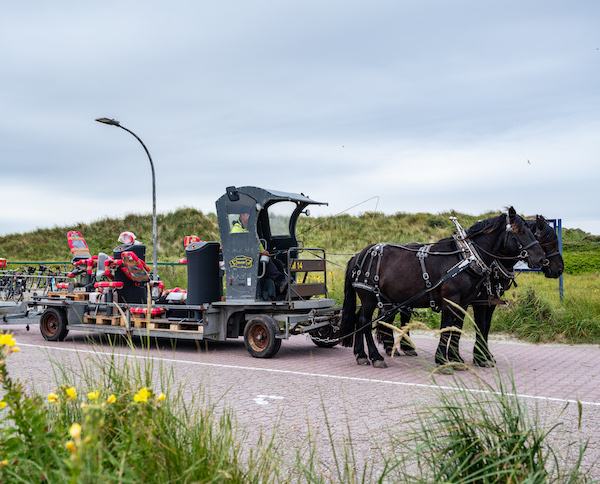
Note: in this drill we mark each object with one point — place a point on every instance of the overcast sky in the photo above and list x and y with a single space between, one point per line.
429 105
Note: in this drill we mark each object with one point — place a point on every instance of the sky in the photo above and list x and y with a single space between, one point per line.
386 105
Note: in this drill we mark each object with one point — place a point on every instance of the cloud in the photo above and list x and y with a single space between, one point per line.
430 106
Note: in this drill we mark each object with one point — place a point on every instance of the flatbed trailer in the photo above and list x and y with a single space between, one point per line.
231 300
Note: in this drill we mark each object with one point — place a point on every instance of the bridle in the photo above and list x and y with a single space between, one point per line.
503 241
538 235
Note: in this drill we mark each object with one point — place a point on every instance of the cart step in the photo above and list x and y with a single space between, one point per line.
103 320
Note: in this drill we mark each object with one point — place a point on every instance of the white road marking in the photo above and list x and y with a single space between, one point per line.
317 375
263 399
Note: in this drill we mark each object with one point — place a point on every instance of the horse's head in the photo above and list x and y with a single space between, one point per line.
520 241
508 239
548 240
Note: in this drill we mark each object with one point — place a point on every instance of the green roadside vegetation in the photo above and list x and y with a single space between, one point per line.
134 420
534 310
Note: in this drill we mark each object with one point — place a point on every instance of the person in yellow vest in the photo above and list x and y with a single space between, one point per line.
274 272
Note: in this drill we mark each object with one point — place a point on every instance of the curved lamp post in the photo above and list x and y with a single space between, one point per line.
154 236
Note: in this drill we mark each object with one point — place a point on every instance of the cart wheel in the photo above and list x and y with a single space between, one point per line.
53 324
260 336
324 337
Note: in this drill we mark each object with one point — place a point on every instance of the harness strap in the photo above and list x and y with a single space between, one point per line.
398 307
370 282
422 255
469 252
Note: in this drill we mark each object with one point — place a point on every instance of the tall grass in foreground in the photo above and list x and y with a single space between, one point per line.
115 427
489 436
127 420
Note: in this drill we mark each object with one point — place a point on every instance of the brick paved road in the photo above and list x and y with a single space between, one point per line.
303 384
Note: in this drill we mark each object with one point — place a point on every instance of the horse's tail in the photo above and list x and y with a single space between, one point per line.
348 324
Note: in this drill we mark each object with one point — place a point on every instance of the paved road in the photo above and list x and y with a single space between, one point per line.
322 391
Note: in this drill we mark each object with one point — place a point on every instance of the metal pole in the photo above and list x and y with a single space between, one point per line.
560 248
154 230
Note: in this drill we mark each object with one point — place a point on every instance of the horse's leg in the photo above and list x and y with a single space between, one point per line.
441 354
481 352
375 357
453 345
385 335
447 350
363 327
405 346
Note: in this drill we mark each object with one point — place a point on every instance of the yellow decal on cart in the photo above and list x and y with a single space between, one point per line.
241 262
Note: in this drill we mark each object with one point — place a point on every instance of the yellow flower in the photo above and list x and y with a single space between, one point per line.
93 395
161 397
142 395
4 463
2 404
111 399
71 446
71 393
52 398
15 350
84 405
75 431
7 340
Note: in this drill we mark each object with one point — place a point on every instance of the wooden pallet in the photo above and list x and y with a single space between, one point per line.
166 325
75 296
138 323
188 328
103 320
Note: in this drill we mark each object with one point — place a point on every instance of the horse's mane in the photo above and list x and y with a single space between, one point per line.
488 225
547 234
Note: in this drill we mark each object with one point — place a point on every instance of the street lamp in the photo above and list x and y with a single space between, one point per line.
154 236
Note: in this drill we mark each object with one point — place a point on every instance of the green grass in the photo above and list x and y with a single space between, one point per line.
131 420
127 422
339 234
489 436
535 312
539 316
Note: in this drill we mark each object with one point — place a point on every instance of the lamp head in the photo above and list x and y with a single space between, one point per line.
113 122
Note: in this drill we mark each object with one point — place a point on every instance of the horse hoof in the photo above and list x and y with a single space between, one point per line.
456 358
363 361
389 352
485 363
410 352
379 364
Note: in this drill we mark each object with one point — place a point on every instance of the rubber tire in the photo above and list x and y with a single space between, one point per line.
53 324
324 332
260 336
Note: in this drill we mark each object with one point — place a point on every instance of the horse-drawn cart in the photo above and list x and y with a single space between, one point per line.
230 290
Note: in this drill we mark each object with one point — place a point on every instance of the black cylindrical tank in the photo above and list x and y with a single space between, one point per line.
204 278
130 293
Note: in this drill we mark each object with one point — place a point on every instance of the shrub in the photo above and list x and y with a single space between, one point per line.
132 435
487 436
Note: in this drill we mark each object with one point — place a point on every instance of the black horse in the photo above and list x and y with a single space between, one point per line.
483 306
396 278
483 311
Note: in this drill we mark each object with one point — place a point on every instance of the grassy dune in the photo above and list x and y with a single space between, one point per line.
535 311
